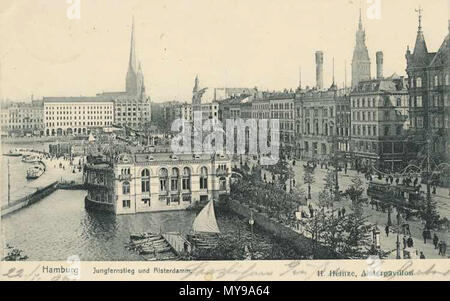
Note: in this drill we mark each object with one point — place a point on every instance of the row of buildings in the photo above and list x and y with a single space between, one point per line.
60 116
381 120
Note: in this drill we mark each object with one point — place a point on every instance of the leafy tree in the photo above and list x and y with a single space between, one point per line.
308 178
357 240
14 254
354 191
430 214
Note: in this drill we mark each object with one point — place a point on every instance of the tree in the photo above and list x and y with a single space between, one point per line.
357 240
14 254
430 214
354 191
308 178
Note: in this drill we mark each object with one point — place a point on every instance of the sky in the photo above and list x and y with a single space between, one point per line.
228 43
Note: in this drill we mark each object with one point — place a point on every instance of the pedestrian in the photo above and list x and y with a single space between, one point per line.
339 213
408 232
343 212
422 256
405 242
444 248
435 241
424 235
391 180
410 242
434 189
386 229
397 181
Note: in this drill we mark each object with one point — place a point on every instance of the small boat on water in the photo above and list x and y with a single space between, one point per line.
30 158
205 231
35 172
153 246
13 153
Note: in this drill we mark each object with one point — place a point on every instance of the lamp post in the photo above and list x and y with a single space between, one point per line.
398 237
251 222
376 238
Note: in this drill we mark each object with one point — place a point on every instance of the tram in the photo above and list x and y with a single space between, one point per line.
408 197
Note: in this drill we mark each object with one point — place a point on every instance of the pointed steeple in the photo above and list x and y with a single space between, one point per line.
196 84
132 62
361 59
132 76
420 55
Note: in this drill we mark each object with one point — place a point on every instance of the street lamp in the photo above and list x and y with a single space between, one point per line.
251 222
376 237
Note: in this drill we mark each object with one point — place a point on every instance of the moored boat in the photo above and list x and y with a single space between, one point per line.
30 159
205 231
13 153
35 172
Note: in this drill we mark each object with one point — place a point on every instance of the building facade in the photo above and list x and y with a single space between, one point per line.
429 90
76 115
22 118
156 182
380 121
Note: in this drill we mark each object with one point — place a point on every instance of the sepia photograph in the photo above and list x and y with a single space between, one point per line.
239 131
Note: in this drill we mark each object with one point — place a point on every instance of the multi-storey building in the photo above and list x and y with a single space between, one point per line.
380 122
261 108
429 91
76 115
282 108
155 182
22 118
343 122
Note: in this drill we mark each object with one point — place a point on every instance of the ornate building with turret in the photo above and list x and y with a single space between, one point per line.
361 60
429 92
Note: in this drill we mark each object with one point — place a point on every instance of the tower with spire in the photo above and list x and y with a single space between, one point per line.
361 60
135 78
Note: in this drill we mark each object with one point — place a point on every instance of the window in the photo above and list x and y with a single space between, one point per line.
203 178
436 81
398 130
126 188
145 180
419 101
419 82
387 130
419 122
447 80
126 203
223 183
174 179
399 102
163 175
186 183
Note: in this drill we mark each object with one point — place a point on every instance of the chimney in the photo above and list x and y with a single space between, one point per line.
319 70
379 64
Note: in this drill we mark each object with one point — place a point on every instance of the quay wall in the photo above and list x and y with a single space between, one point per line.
29 199
300 242
13 140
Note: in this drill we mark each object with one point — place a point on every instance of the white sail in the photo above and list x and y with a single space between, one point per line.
206 220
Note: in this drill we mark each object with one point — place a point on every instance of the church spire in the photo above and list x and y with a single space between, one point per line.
132 80
360 25
196 84
132 62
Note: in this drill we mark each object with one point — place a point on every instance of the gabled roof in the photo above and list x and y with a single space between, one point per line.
442 55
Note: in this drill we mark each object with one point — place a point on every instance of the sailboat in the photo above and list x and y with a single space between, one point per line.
206 232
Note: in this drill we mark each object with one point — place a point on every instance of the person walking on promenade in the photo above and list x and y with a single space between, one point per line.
424 235
422 256
435 241
444 248
343 212
405 242
386 229
410 242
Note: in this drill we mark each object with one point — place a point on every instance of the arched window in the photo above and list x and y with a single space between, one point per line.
163 175
126 188
174 179
203 178
145 180
186 179
419 82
